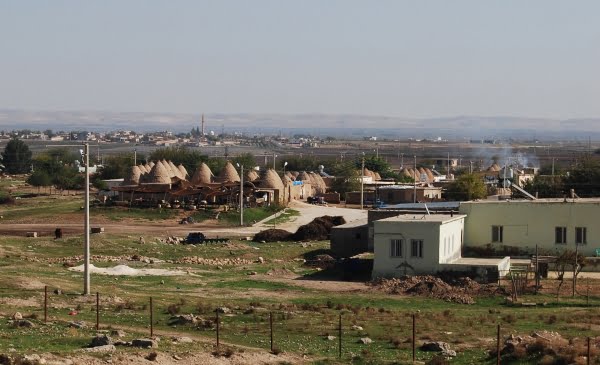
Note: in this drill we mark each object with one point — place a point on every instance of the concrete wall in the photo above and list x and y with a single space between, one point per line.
347 241
527 223
432 233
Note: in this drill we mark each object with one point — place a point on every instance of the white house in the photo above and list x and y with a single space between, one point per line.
427 244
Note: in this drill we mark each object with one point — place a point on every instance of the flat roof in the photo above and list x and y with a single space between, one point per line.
475 261
430 205
440 218
353 224
537 201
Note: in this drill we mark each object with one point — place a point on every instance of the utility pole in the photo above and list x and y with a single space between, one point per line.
86 225
362 181
135 156
552 166
242 195
415 182
402 160
274 157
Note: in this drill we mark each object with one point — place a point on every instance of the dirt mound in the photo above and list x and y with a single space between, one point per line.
318 229
459 290
272 235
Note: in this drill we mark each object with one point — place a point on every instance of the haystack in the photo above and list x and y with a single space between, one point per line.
133 176
229 174
159 175
183 172
202 175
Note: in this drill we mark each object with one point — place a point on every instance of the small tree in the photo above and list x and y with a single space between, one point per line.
466 187
16 157
39 178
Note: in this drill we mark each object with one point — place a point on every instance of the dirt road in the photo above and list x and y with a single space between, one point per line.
167 228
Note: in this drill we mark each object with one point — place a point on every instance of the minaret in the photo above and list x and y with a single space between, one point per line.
202 135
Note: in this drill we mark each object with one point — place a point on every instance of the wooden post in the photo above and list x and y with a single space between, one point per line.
271 325
575 270
414 345
537 269
217 311
45 303
340 337
97 311
151 319
498 346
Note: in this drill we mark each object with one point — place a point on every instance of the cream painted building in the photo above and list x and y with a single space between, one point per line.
553 224
427 244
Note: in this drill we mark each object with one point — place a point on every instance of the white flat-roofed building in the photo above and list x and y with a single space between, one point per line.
421 244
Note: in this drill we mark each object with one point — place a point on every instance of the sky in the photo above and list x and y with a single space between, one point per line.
413 59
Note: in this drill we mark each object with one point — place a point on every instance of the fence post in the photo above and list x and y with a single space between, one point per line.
498 346
218 324
45 303
340 336
414 342
151 319
97 311
271 325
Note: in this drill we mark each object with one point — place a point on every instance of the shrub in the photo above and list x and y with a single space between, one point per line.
174 309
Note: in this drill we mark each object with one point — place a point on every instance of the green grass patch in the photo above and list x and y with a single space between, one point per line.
119 213
285 216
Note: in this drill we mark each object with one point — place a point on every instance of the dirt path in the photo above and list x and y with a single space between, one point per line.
308 212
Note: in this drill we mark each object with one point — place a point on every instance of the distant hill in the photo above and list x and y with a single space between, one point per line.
338 125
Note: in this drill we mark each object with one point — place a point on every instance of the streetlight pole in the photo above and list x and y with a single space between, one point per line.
242 195
415 182
362 182
86 225
135 156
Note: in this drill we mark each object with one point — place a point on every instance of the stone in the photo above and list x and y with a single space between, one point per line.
175 357
252 273
183 320
77 324
57 291
117 333
357 328
261 260
223 310
144 343
103 348
182 340
436 346
24 323
34 359
365 341
17 316
330 338
101 340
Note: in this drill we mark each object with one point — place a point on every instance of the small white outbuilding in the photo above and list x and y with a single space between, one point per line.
420 244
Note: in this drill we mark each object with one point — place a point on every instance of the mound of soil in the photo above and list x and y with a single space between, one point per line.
272 235
319 229
459 290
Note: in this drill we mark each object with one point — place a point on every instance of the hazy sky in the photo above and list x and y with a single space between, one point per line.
399 58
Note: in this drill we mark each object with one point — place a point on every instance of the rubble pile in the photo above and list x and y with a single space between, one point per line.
460 290
95 258
197 260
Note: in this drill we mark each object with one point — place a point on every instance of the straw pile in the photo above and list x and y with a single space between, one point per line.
229 174
202 174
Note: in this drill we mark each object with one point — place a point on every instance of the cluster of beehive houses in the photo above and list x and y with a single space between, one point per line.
162 181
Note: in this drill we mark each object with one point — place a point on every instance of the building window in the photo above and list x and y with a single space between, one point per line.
580 235
560 235
396 248
497 234
416 249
